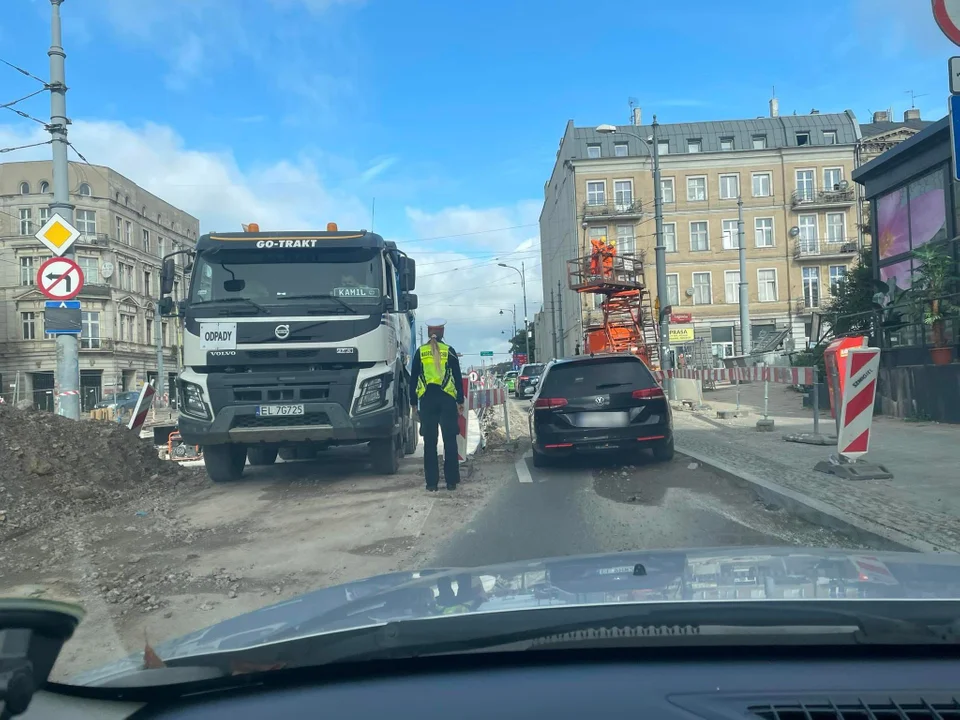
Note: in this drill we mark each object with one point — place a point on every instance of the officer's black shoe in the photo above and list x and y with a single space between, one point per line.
432 489
452 487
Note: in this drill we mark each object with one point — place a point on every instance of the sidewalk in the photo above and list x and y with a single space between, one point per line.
919 509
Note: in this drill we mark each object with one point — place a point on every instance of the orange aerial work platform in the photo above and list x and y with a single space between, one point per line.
629 323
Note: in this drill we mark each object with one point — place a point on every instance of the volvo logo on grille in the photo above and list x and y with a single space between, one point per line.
282 332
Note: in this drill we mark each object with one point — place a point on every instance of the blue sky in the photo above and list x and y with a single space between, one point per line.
296 112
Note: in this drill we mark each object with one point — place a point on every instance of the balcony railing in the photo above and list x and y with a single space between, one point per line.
822 198
833 247
633 208
94 239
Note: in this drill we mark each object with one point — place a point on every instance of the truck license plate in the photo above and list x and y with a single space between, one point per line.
279 410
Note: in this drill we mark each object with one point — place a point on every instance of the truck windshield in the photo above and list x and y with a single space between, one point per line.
349 277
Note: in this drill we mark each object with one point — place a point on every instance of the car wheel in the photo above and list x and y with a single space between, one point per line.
386 455
224 463
262 455
539 459
663 451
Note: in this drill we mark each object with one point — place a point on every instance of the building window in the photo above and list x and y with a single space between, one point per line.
694 145
28 322
159 246
667 191
599 234
663 147
44 213
763 232
731 286
702 289
623 194
836 227
596 192
146 240
147 283
84 190
28 274
726 143
44 187
670 237
808 238
699 239
729 187
148 325
620 150
593 151
91 269
24 188
803 138
696 189
767 284
128 236
119 229
90 330
832 177
673 289
163 332
731 235
829 137
806 184
626 242
811 287
87 222
838 274
762 185
126 277
759 142
128 324
26 221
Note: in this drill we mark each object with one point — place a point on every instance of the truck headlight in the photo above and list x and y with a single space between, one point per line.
191 400
373 394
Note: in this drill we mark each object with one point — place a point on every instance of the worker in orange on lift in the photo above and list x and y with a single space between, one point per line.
609 251
596 254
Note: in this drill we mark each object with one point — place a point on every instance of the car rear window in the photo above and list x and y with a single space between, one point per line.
597 377
533 370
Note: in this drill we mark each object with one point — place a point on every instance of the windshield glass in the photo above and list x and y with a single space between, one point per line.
594 337
277 276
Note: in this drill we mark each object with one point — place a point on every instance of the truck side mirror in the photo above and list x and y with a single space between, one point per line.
408 274
408 302
167 276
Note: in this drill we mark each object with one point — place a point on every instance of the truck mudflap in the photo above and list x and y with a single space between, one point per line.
321 423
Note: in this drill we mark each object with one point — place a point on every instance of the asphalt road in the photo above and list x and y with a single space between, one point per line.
592 506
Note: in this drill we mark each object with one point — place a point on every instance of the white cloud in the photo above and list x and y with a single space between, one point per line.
457 249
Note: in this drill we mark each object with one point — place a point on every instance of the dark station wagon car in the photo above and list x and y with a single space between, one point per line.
599 404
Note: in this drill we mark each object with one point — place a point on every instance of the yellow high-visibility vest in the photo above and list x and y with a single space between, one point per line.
429 374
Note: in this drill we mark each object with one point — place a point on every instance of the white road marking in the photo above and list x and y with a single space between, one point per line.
411 525
523 472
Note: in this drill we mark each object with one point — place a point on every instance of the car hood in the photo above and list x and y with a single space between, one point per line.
656 576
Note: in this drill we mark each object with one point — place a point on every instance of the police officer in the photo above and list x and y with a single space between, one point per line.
439 392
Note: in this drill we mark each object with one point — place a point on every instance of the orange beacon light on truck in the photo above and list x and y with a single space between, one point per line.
331 227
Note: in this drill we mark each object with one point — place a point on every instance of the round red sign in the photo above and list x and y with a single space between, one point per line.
947 15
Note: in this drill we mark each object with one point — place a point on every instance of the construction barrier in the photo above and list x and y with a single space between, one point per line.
782 375
463 422
859 395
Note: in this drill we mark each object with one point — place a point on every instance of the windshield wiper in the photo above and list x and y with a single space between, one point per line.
248 301
322 296
611 385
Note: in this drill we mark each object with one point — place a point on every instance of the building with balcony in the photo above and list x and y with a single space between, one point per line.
800 213
125 233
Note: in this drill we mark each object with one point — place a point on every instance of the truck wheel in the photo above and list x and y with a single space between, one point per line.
224 463
386 455
264 455
413 435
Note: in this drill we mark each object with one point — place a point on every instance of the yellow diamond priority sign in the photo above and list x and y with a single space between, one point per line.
57 234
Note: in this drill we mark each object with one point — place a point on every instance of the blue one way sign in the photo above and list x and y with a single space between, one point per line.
955 132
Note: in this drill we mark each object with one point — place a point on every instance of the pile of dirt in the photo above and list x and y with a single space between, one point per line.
52 468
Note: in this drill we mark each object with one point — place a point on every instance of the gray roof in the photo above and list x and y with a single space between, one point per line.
781 132
869 130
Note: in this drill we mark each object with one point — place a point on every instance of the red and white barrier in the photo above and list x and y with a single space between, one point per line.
139 415
463 422
782 375
859 396
486 397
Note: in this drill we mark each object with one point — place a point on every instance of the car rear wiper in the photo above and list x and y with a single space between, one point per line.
321 296
604 386
880 622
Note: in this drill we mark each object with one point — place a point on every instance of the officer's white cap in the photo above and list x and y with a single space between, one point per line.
436 322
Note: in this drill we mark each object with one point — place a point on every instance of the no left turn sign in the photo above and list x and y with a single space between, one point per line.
60 279
947 15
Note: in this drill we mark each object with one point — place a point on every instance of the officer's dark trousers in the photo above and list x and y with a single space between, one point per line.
438 416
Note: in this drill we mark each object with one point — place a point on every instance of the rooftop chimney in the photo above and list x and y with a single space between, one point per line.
636 116
774 107
911 114
881 116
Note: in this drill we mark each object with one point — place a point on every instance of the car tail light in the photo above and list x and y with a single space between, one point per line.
648 393
524 377
549 403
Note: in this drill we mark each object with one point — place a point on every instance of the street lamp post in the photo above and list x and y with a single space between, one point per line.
514 311
660 249
523 285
